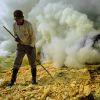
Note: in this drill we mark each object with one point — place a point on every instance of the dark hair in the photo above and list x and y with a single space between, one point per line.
18 14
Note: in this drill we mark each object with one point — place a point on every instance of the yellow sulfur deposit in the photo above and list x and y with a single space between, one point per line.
67 84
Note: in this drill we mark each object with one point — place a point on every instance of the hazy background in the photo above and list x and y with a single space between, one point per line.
64 29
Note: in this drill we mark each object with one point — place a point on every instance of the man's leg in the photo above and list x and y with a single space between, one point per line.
32 61
17 64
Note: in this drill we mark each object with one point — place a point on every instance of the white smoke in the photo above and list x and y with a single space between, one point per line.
7 47
64 33
55 50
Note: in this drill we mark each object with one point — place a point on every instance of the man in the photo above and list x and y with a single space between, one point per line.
24 37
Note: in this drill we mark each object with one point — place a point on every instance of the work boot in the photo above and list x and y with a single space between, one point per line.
33 71
13 78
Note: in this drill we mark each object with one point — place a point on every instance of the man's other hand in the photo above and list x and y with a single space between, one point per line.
17 39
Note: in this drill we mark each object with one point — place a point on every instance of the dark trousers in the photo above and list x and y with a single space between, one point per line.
31 54
21 51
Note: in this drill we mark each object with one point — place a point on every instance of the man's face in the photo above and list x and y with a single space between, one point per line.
19 21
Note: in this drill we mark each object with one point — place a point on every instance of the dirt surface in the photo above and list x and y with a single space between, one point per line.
66 84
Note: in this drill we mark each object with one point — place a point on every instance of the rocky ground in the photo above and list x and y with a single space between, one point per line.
66 84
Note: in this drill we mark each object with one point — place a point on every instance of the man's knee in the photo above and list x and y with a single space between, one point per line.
16 67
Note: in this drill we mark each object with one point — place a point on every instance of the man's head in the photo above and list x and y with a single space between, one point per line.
18 16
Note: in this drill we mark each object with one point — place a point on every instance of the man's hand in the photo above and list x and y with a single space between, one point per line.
17 39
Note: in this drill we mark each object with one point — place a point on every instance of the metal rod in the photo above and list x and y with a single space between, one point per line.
9 31
44 68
